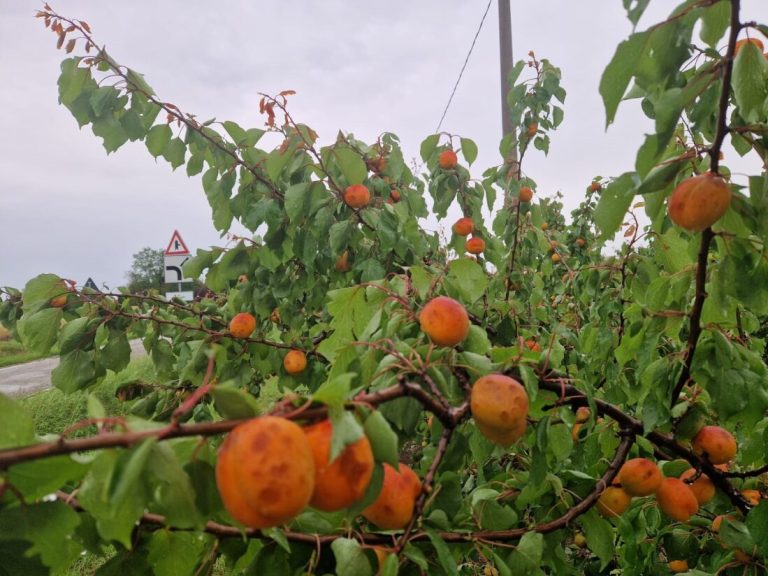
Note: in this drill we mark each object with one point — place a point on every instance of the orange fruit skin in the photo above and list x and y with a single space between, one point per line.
595 186
556 258
698 202
702 487
295 361
613 501
533 346
545 226
463 226
445 321
714 443
357 196
526 194
265 472
499 405
582 414
393 508
752 496
640 477
676 499
580 242
342 262
718 520
475 245
242 325
394 195
677 566
744 41
58 301
448 159
340 483
533 127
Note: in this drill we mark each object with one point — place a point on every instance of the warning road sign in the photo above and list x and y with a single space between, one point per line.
176 246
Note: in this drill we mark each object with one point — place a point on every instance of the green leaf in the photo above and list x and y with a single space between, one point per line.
346 430
76 370
71 80
714 22
111 131
173 494
382 438
466 279
39 291
335 390
277 160
600 536
757 522
620 70
18 429
351 165
40 331
238 135
614 202
75 334
527 557
158 138
350 558
444 556
176 553
138 81
469 150
38 478
174 152
297 200
233 402
103 98
428 147
750 89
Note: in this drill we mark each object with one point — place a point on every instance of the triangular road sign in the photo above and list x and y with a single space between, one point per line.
91 284
176 246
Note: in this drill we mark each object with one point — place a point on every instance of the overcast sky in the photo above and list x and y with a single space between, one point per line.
364 67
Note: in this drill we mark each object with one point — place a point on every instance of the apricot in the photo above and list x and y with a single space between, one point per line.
718 520
445 321
702 487
677 566
595 186
394 195
475 245
448 159
613 501
265 472
58 301
575 431
582 414
499 405
714 443
676 499
698 202
242 325
580 540
555 257
342 262
531 130
526 194
393 508
545 226
744 41
295 361
752 496
580 242
357 196
640 477
340 483
532 345
463 226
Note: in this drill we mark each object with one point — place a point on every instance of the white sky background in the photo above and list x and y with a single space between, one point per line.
364 67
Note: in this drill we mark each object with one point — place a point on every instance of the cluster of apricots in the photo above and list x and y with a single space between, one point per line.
464 227
269 469
678 498
242 326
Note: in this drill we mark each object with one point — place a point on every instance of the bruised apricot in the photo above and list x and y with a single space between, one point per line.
463 226
295 362
445 321
448 159
357 196
678 566
676 499
475 245
526 194
242 325
640 477
532 128
499 405
698 202
342 482
265 472
394 506
702 487
613 501
714 443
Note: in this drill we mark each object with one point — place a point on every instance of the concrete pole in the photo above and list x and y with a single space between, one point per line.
506 64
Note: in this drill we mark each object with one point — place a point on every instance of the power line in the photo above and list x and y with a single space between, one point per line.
439 124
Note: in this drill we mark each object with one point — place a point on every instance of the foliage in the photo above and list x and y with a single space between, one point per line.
657 339
147 270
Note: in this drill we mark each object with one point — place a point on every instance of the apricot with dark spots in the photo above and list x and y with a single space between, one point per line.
640 477
499 406
394 506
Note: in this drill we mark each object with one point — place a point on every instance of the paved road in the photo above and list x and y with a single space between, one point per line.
25 379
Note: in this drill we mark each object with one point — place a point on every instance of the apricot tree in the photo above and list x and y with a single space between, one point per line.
473 414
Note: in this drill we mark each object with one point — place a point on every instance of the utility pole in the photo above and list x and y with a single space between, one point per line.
505 59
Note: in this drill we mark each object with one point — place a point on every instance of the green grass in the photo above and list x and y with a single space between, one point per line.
12 352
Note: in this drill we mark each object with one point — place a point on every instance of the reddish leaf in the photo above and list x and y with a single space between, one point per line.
85 26
70 28
60 42
287 92
261 105
71 45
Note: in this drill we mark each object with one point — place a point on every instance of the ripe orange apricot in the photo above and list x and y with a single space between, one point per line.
580 242
58 301
242 325
445 321
394 195
556 257
393 508
640 477
340 483
265 472
575 431
752 496
545 226
582 414
295 361
357 196
342 262
678 566
499 405
698 202
702 487
533 127
595 186
463 226
613 501
448 159
526 194
714 443
475 245
755 41
676 499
